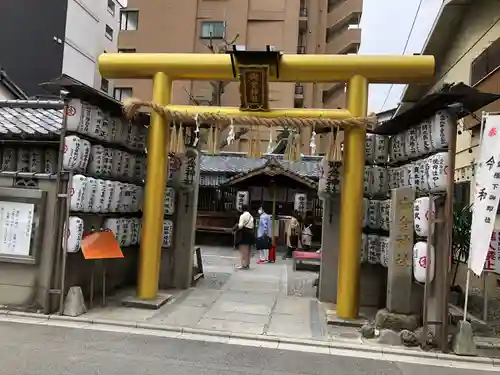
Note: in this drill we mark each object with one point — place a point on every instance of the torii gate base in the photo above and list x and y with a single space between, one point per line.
357 70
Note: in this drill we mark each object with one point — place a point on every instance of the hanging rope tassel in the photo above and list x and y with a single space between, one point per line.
180 140
297 147
173 139
210 140
270 147
255 145
289 147
331 145
260 145
215 144
250 143
337 148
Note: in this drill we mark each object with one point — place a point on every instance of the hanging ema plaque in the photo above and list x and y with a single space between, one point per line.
254 89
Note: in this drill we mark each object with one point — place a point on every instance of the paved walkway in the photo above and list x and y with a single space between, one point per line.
268 299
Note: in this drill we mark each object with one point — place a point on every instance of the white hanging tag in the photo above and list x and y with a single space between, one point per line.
312 143
230 136
197 130
270 144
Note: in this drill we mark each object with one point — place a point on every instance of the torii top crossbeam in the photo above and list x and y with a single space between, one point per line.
293 68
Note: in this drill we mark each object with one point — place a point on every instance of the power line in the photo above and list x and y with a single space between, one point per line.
404 49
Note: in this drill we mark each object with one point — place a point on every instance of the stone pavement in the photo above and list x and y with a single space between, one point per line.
268 299
268 305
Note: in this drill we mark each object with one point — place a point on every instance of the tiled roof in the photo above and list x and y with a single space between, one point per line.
272 167
30 118
239 162
36 118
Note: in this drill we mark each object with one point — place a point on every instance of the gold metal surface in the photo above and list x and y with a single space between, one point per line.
351 206
293 68
302 113
152 221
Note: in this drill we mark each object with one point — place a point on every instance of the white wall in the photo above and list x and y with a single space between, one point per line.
104 44
480 28
86 38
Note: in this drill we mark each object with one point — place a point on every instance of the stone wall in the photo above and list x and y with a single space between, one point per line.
28 284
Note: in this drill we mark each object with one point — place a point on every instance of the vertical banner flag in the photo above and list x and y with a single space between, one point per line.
487 194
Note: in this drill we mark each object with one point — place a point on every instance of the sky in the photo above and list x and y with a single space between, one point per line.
385 28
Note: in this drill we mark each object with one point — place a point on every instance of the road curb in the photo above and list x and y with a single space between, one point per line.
340 345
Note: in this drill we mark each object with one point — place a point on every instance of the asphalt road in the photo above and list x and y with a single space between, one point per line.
48 350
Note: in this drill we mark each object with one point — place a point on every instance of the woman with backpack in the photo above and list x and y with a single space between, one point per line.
244 237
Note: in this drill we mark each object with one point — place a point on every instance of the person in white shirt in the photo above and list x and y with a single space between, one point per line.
244 237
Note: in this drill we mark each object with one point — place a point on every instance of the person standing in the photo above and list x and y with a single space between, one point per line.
264 242
306 235
244 237
292 235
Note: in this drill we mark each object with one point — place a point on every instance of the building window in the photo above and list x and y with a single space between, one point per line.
109 32
213 30
487 62
104 85
111 7
126 50
129 19
122 93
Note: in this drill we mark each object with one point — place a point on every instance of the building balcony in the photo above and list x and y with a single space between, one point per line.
303 19
490 83
346 12
301 50
344 41
334 97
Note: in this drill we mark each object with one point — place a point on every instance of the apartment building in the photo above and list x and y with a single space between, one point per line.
43 39
192 26
465 41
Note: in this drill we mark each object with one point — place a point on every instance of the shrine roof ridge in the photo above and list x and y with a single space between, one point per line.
235 163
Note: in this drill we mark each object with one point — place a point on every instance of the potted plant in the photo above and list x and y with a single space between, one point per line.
462 222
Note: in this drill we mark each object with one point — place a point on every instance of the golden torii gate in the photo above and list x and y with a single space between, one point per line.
357 70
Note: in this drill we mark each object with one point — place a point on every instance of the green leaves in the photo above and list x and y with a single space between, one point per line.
462 222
